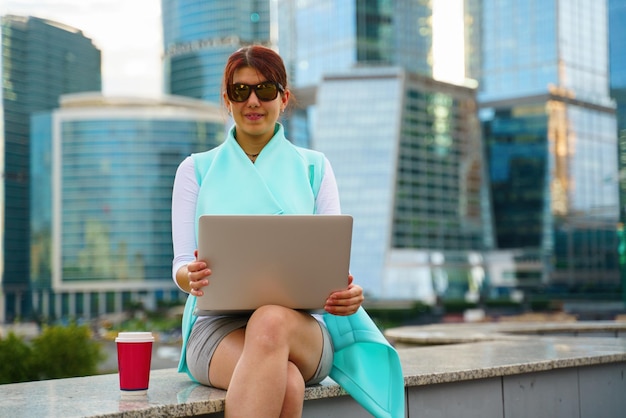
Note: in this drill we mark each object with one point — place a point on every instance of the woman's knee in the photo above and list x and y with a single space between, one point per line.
270 325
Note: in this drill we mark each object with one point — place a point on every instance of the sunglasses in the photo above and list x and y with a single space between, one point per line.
265 91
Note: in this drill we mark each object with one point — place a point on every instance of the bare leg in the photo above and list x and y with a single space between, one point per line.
259 367
294 394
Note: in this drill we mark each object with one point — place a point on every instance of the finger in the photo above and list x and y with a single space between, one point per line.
354 300
197 271
341 310
347 303
196 288
352 292
191 281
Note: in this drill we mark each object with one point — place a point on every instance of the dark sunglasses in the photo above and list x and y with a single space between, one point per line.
265 91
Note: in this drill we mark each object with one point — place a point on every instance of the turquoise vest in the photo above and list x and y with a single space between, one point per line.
285 179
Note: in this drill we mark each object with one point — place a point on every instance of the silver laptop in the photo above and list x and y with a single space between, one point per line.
295 261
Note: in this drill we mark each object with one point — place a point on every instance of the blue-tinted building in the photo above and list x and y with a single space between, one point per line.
406 149
550 136
40 60
617 73
410 169
321 37
316 38
198 37
102 172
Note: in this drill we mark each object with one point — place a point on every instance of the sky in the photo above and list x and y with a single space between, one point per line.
127 32
448 41
129 35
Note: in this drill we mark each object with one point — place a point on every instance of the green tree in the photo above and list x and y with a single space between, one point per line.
66 352
16 360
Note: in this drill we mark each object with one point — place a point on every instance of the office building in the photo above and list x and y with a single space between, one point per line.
550 135
409 167
324 37
617 74
405 149
321 37
198 37
40 60
102 174
316 38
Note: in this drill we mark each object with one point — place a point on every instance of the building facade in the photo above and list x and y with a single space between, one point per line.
550 132
102 176
549 213
410 169
40 60
617 72
316 38
617 66
406 150
322 37
198 37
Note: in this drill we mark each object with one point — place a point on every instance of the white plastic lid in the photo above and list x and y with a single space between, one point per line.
134 337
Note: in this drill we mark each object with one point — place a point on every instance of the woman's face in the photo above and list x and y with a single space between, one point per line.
255 119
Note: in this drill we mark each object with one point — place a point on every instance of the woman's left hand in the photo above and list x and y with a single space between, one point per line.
345 302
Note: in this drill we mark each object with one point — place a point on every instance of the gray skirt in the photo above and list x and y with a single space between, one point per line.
208 332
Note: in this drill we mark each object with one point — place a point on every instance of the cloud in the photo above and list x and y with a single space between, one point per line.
128 32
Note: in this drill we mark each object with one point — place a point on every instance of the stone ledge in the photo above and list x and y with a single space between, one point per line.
457 333
428 365
170 394
173 394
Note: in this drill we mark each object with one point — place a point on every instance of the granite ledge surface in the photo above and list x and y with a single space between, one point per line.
427 365
456 333
173 394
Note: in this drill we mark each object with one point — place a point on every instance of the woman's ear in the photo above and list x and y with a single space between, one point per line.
285 99
227 103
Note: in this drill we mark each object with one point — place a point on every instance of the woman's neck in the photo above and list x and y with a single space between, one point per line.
252 145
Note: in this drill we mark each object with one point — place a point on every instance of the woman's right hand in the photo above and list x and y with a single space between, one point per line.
198 272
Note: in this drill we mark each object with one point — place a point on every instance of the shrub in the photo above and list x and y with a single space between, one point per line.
66 352
58 352
16 360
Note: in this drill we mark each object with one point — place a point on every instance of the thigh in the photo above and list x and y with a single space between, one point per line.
326 358
205 337
225 358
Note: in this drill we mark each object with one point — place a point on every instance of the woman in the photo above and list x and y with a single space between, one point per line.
264 360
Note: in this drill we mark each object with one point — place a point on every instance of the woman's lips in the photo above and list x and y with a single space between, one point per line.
254 116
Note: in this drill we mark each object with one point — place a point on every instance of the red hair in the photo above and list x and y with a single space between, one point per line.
265 60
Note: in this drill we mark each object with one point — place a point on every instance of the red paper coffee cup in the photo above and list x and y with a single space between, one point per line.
134 354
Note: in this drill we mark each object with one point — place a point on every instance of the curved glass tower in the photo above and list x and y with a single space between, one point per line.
102 175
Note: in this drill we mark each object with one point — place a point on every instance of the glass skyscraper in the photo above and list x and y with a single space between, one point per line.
320 37
545 182
324 37
102 175
550 132
407 154
405 149
617 66
198 37
40 60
